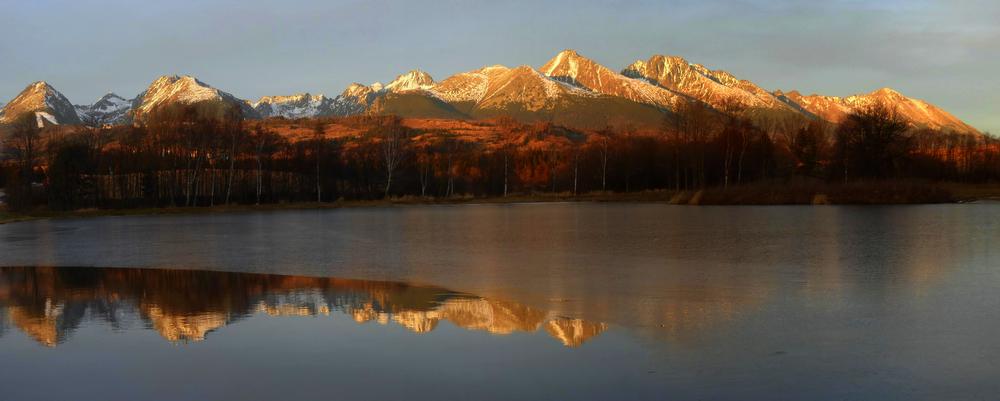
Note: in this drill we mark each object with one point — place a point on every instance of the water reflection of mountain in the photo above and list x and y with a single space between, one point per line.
48 303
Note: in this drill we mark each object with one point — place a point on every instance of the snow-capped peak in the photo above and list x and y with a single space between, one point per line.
413 80
716 88
570 67
468 86
888 93
111 101
494 68
42 99
565 64
357 90
175 88
184 89
40 85
299 97
295 106
109 109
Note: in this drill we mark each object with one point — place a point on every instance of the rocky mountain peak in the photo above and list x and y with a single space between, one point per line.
413 80
298 97
568 65
357 90
110 109
793 94
49 106
40 85
888 94
110 99
301 105
571 67
184 89
493 68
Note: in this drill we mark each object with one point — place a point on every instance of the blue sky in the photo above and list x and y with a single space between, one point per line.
946 52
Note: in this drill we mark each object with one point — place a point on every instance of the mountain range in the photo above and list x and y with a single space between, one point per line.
569 89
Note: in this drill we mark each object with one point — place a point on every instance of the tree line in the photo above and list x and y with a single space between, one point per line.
205 155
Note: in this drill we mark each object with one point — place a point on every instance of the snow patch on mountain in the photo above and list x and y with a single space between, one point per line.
44 119
110 109
468 86
296 106
528 88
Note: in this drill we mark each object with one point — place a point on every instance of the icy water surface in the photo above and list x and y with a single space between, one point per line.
533 301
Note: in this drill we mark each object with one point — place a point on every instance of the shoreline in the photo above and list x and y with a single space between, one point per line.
42 214
738 196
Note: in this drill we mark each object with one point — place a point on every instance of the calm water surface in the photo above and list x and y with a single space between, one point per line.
532 301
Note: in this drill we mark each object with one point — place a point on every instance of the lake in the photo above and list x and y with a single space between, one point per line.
523 301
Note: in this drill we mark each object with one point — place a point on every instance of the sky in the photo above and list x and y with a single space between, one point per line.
944 51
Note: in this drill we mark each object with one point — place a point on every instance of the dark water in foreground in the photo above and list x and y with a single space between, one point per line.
549 301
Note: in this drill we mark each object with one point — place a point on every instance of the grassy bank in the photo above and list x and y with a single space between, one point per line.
7 217
970 193
794 193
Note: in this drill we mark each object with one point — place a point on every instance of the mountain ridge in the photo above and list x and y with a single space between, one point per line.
918 112
569 88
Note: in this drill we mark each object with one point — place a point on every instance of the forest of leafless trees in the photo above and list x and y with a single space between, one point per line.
185 156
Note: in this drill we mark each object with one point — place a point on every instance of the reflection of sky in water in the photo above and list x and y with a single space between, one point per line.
712 302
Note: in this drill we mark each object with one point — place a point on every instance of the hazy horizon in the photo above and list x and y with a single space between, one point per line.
933 50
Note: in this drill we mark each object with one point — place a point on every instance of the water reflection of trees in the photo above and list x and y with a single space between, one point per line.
49 304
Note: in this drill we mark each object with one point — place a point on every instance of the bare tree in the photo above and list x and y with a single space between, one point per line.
603 147
807 147
319 143
576 167
393 139
507 141
733 136
506 151
873 140
425 166
233 126
265 144
23 142
695 124
450 148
